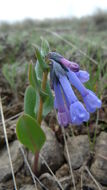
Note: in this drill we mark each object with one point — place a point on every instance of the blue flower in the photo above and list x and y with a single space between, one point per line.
91 101
83 76
63 113
70 109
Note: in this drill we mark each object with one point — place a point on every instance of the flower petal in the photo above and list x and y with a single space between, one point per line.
63 119
92 102
77 83
83 76
78 113
67 89
59 98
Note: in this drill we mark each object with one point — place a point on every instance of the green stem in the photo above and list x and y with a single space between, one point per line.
39 118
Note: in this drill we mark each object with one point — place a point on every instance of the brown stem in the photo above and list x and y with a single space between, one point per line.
39 117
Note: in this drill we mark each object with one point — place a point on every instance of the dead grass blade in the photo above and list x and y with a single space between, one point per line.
69 160
7 144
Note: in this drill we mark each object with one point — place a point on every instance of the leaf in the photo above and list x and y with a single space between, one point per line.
44 47
48 103
36 83
30 101
38 70
41 61
29 133
32 77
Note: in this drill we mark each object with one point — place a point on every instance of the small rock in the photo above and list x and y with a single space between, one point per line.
2 187
52 152
99 166
63 171
10 134
79 150
17 160
49 181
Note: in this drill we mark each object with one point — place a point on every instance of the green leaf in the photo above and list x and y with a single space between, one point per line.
48 103
41 61
38 70
30 101
36 83
32 77
29 133
44 47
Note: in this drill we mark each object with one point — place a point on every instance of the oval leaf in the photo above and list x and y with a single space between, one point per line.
29 133
30 101
35 82
32 77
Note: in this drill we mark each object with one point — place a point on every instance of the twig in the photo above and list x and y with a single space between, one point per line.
81 180
51 172
13 117
7 144
95 132
92 177
69 160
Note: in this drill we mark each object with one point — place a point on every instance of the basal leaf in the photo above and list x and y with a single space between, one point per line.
29 133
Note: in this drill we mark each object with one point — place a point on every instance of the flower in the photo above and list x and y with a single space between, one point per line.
90 99
83 76
63 113
60 59
70 109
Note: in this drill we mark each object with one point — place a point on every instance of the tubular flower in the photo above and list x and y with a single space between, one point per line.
90 99
62 76
83 76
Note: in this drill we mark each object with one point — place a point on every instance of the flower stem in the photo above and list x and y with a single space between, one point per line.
39 118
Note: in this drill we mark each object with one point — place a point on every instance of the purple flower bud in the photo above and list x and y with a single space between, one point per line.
60 59
83 76
71 65
91 101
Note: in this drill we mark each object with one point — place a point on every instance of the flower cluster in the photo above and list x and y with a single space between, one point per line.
64 74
